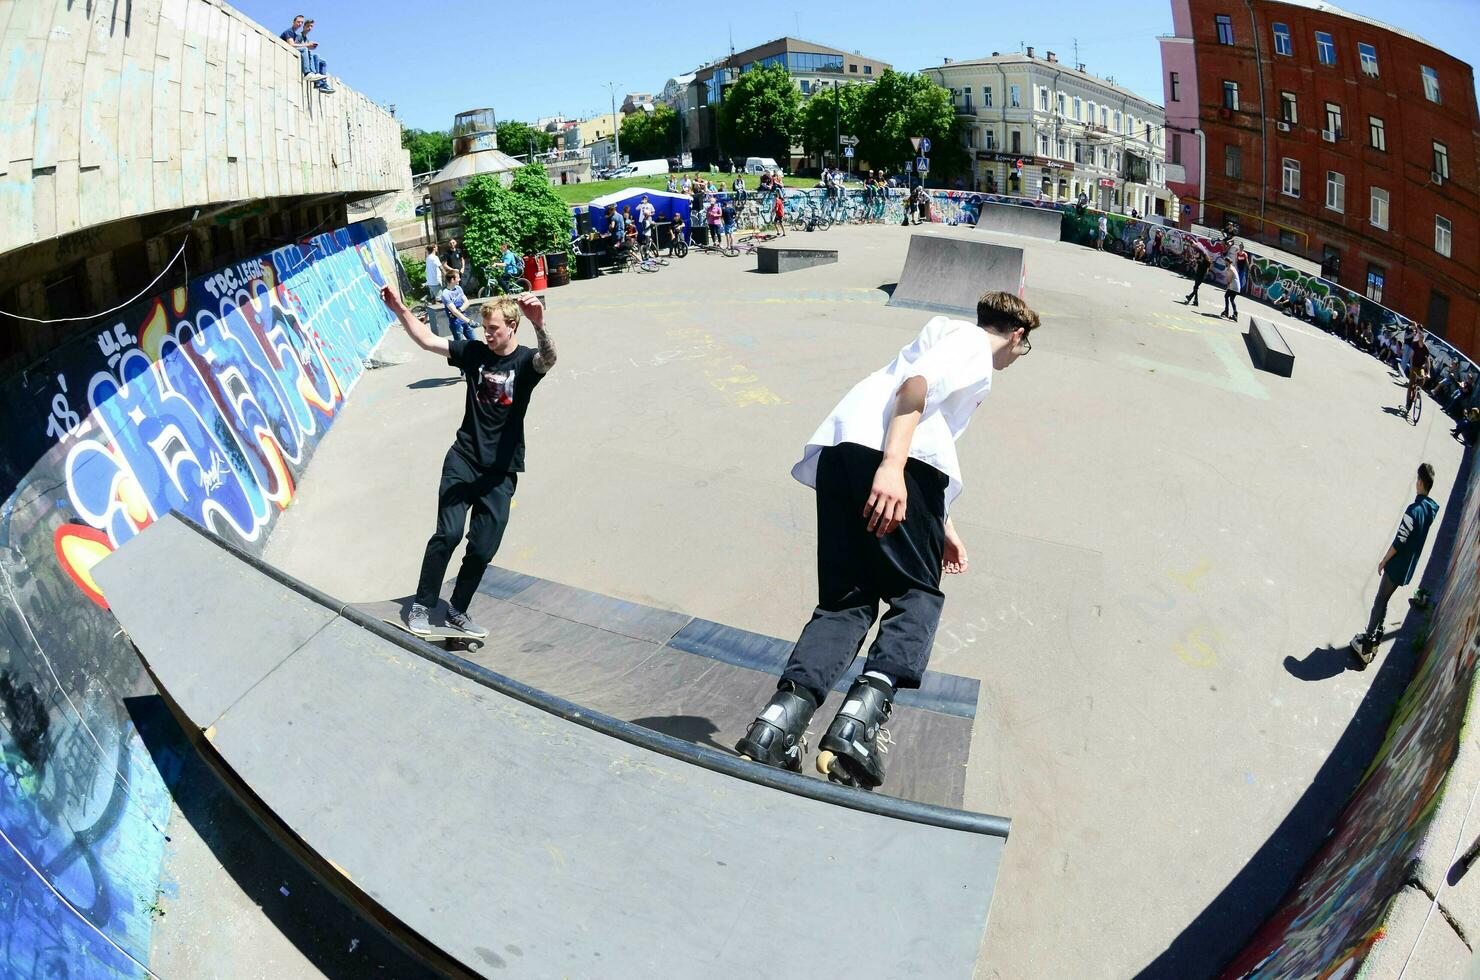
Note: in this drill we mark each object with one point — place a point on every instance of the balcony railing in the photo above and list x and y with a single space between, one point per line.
966 110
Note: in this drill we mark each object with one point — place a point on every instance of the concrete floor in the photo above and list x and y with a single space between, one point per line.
1165 545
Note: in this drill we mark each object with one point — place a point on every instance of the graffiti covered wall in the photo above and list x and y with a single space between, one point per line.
209 400
1334 916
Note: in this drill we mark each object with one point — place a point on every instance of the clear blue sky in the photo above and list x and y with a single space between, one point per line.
436 58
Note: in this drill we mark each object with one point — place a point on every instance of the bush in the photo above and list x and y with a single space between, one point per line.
416 275
527 214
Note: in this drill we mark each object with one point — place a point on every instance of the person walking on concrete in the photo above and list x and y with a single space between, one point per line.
1230 292
1102 231
884 468
481 471
1200 266
1401 561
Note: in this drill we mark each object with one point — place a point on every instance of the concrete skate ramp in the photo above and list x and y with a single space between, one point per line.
948 275
488 824
1018 219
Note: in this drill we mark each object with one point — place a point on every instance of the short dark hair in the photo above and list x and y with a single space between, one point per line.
1426 476
1006 312
431 248
300 16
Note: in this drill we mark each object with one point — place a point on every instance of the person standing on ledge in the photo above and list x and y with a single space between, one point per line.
890 444
1400 562
481 470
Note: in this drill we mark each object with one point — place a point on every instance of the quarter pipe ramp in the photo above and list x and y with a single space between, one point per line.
1018 219
484 823
944 274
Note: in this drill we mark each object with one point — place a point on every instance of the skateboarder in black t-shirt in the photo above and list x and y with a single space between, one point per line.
482 468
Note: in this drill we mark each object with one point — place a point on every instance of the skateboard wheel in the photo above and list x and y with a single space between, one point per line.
474 646
746 757
825 762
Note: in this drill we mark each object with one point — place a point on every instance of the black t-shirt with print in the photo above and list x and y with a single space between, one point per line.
491 436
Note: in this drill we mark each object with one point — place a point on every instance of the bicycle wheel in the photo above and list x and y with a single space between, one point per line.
824 221
1417 407
729 250
521 285
681 248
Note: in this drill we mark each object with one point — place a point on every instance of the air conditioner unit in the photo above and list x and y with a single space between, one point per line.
1436 177
1328 135
1282 126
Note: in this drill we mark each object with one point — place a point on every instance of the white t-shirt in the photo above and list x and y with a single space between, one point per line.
434 271
955 359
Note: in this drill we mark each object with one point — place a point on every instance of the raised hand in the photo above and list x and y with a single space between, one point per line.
392 301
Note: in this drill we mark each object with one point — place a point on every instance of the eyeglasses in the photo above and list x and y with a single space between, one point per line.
1026 347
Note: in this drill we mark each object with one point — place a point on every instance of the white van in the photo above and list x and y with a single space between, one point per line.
759 165
646 168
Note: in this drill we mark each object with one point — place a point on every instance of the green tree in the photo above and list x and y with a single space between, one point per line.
514 138
761 114
901 105
822 114
527 214
429 149
648 137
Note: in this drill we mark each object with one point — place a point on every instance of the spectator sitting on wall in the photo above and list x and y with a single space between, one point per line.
312 71
672 185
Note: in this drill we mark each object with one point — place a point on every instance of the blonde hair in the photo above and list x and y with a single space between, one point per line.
506 307
1005 312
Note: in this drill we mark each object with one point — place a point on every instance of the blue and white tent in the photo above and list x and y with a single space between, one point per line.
665 205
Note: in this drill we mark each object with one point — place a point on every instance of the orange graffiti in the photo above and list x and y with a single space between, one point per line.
78 549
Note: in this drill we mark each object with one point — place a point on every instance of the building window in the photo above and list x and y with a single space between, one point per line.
1333 121
868 69
1376 278
852 69
1043 144
1233 162
1177 148
1176 85
1117 122
989 139
1063 149
1290 177
806 87
1225 29
1335 191
1063 104
1289 111
1282 39
1230 95
1148 133
1430 84
1017 141
1379 215
1325 48
1443 232
1376 133
987 96
1078 108
1441 162
1368 54
1015 96
1078 152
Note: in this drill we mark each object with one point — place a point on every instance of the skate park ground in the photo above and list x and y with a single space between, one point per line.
1168 550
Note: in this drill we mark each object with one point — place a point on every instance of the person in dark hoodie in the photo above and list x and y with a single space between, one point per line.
1400 562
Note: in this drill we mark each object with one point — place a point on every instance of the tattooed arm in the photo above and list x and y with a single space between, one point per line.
544 355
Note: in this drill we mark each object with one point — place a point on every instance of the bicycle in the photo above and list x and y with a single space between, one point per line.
809 217
496 282
1414 409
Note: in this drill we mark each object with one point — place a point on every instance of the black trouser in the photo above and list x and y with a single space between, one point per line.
489 495
1197 281
1230 299
856 570
1385 589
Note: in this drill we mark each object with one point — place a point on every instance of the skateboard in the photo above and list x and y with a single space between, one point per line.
393 613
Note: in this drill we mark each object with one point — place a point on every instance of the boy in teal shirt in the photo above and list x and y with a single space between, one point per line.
1400 562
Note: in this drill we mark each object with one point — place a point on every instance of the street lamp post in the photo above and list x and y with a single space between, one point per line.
616 127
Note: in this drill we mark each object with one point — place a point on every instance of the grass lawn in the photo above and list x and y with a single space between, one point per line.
584 193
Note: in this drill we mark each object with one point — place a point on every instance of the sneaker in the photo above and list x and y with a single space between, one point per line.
460 621
417 620
1364 649
326 88
315 76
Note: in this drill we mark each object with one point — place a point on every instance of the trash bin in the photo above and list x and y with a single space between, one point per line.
586 265
534 271
664 234
559 269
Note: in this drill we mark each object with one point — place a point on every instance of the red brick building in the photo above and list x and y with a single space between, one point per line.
1333 135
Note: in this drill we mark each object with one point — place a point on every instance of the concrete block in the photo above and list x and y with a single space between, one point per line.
1268 348
136 136
20 90
17 207
98 136
98 194
785 258
68 216
44 215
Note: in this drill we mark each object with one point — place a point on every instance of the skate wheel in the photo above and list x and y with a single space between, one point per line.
825 762
746 757
474 646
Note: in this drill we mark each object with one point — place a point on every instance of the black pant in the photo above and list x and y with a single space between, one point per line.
1385 589
856 569
1230 299
1197 281
489 495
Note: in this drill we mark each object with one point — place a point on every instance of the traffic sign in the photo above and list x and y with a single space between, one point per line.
922 165
909 167
925 145
848 140
848 151
915 142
